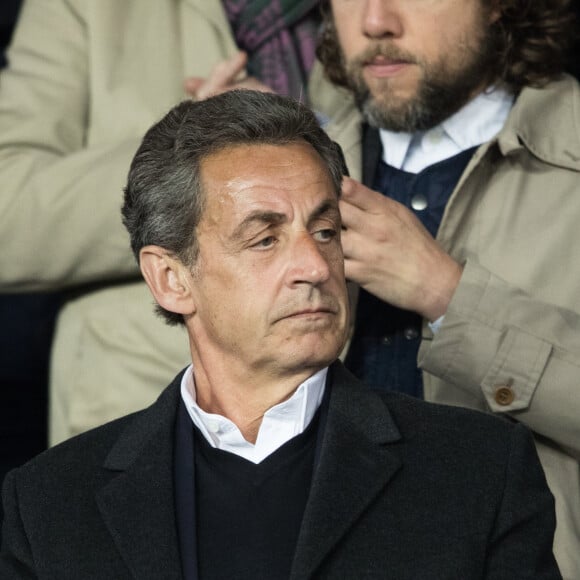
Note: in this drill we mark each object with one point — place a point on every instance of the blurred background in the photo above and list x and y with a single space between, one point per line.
26 325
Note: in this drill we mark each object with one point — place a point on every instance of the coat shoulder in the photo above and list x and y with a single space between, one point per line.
84 455
74 457
457 428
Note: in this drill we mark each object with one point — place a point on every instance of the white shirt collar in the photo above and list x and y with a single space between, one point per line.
279 424
477 122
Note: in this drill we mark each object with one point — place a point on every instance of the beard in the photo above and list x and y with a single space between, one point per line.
444 87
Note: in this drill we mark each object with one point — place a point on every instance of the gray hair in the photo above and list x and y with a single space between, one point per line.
164 200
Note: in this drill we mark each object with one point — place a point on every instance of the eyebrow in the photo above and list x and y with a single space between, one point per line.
260 217
328 206
269 218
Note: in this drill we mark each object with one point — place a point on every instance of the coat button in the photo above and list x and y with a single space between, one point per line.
504 395
410 333
418 202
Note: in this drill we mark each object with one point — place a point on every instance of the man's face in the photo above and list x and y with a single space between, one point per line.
268 284
413 63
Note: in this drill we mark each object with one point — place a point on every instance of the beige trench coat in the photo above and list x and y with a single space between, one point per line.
86 79
510 341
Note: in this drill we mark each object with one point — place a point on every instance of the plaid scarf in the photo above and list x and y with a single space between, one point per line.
280 39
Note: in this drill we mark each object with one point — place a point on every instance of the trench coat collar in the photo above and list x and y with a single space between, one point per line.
546 122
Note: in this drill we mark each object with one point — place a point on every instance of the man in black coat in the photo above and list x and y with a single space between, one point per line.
265 458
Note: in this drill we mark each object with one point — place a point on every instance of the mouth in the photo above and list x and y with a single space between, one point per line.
384 67
309 314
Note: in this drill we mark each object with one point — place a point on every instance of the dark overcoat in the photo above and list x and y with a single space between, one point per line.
402 490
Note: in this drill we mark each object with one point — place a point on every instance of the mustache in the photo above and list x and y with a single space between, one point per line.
387 51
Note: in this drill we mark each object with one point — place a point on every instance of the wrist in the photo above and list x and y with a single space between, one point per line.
441 291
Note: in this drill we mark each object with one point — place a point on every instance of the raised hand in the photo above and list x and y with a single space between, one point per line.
391 255
227 75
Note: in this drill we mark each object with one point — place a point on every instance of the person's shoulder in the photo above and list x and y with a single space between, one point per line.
88 451
451 441
83 451
435 423
66 474
546 120
415 417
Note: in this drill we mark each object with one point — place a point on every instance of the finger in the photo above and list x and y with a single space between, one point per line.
356 194
353 271
223 75
231 70
353 244
358 270
192 85
253 84
353 218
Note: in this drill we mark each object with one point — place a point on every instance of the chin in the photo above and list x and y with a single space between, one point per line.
321 356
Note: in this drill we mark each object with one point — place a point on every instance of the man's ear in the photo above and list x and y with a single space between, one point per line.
168 279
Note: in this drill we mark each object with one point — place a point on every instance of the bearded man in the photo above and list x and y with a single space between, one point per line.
465 133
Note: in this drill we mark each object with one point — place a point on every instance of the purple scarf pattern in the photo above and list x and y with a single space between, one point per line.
280 39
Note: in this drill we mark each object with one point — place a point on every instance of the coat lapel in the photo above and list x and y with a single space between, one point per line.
355 466
137 505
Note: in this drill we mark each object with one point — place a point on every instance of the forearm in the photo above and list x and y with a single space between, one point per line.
60 222
60 198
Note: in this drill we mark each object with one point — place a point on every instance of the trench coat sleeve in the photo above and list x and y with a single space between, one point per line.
60 197
520 355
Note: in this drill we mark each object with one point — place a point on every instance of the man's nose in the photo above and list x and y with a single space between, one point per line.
382 19
307 263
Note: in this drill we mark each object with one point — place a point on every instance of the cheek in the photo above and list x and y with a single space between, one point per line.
346 30
253 288
335 258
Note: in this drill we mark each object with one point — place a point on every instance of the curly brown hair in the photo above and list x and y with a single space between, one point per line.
532 41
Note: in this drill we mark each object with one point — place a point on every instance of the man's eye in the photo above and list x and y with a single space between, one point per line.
325 235
265 243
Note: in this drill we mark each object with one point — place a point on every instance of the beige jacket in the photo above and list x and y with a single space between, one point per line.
86 79
510 340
